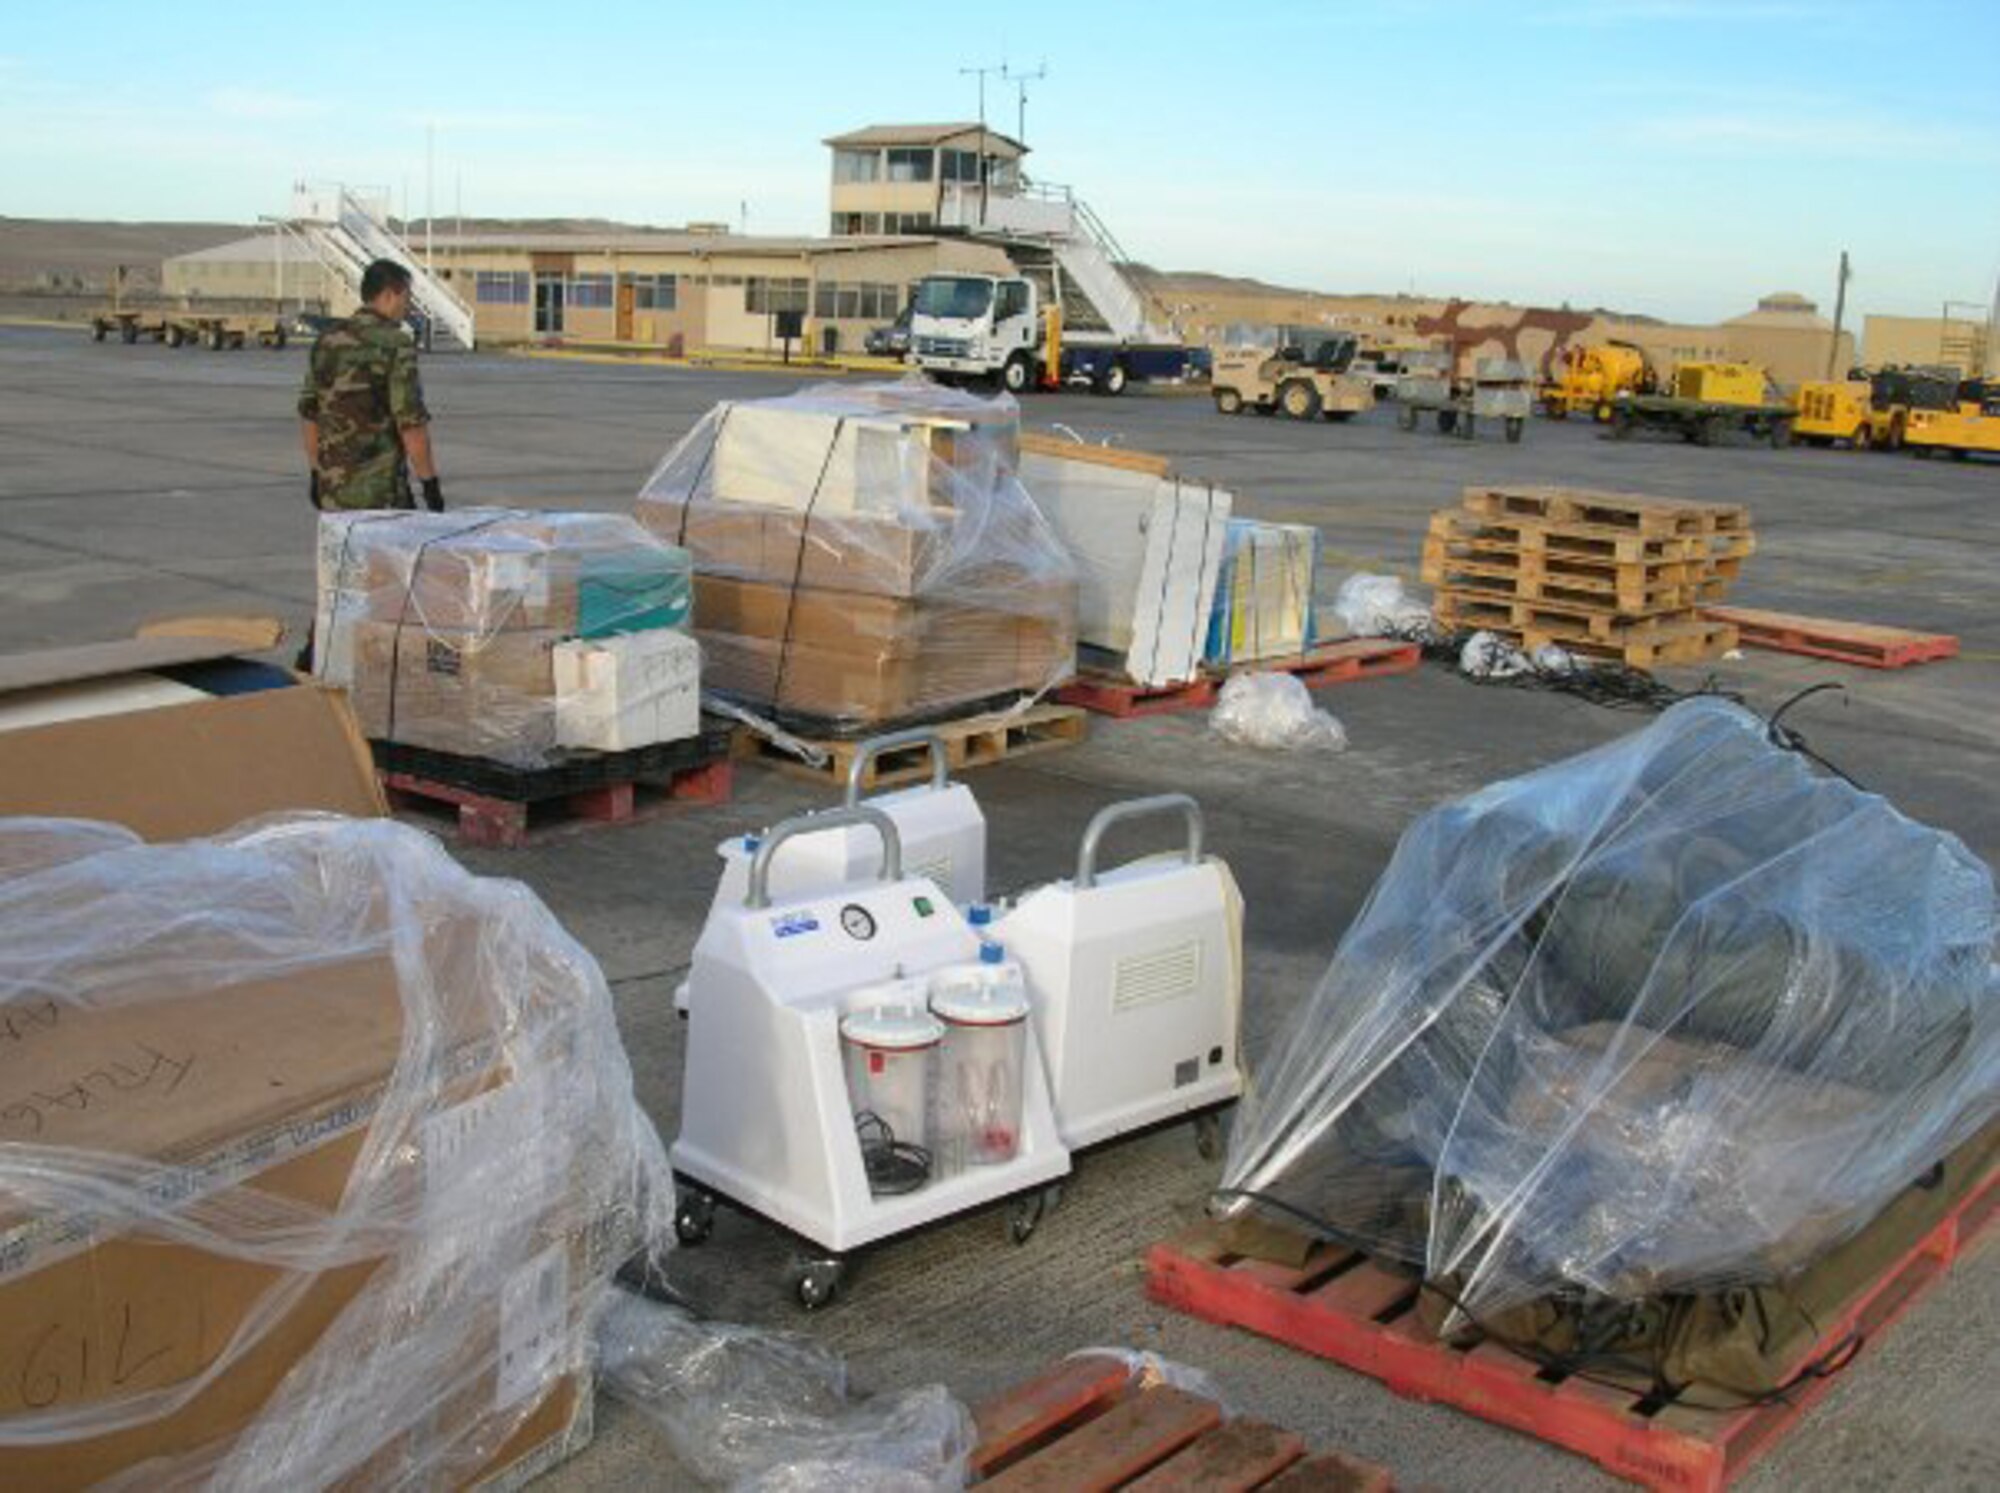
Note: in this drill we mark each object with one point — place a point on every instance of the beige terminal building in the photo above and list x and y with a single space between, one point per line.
900 199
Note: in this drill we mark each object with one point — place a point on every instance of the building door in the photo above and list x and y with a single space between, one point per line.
627 294
548 302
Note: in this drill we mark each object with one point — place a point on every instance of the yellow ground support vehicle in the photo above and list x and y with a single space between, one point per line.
1306 376
1973 425
1708 401
1595 375
1832 412
1722 383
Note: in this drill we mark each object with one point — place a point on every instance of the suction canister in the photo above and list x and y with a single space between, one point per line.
984 1009
888 1052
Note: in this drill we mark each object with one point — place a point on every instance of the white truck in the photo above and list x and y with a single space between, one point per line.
994 329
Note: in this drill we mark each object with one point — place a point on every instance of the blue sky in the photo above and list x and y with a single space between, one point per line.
1678 157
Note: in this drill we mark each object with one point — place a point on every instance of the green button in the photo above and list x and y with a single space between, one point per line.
923 906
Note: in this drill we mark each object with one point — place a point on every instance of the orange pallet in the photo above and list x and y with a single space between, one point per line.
1104 694
1341 662
1086 1426
1824 637
1342 1306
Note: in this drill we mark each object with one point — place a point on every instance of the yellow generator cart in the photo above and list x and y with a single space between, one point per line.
1972 426
1708 401
1841 413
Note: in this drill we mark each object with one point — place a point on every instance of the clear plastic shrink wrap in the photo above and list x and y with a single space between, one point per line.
506 634
1677 1015
317 1156
866 554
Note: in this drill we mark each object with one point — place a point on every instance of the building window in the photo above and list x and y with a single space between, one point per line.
864 301
910 164
906 222
762 296
857 165
1003 175
500 287
654 292
588 291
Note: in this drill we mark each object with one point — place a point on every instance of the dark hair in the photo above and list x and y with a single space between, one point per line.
383 274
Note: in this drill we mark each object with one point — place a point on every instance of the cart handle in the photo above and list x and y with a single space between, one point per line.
758 894
872 748
1137 808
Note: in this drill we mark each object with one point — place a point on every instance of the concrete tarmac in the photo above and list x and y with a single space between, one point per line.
141 481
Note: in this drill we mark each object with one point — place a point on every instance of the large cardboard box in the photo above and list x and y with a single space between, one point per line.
470 694
263 1089
859 659
781 546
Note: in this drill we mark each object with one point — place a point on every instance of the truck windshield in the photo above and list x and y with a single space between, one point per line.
947 296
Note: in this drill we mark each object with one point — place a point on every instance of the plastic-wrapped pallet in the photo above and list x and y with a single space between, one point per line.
1264 602
1675 1016
866 554
320 1156
507 634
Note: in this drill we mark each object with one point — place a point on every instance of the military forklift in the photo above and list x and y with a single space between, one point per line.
1308 374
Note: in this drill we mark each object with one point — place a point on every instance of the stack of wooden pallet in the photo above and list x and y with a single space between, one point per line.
1610 577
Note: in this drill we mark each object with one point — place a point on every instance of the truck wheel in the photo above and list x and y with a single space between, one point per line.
1515 425
1447 421
213 337
1112 381
172 337
98 330
1467 427
1016 375
1228 401
1299 399
128 332
1862 439
1621 425
278 340
1406 417
1781 434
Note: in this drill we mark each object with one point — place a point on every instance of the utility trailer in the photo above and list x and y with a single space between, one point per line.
176 328
1499 389
1708 401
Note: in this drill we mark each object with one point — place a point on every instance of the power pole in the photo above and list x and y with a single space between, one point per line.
1839 311
1021 82
430 197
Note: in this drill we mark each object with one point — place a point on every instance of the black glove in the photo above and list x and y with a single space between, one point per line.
312 486
433 494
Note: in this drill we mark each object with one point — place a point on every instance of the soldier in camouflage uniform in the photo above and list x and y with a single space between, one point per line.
365 422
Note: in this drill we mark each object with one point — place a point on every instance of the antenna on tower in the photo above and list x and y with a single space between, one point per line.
1021 82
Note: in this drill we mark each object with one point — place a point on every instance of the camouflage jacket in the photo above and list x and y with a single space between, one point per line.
362 391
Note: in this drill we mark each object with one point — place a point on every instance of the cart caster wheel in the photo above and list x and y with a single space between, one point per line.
1027 1213
816 1282
1207 1137
694 1216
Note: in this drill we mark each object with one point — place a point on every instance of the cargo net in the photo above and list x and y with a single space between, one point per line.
320 1156
510 636
866 556
1675 1016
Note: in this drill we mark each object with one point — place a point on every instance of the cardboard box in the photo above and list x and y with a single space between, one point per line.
615 694
777 546
270 1083
859 659
491 696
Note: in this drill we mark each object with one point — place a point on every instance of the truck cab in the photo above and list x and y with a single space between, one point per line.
977 326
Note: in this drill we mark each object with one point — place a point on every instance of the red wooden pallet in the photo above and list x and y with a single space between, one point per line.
1085 1426
508 823
1122 698
1341 662
1341 1306
1825 637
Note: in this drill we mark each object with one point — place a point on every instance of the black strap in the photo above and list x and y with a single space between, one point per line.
799 565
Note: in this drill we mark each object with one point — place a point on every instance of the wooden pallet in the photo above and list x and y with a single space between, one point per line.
977 741
1338 662
1824 637
1341 1306
1690 643
1107 694
1586 594
1085 1426
1628 512
506 808
1579 541
1563 620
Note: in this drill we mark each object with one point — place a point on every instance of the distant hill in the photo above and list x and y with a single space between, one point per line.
55 253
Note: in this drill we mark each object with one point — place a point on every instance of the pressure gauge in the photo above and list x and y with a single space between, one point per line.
858 922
